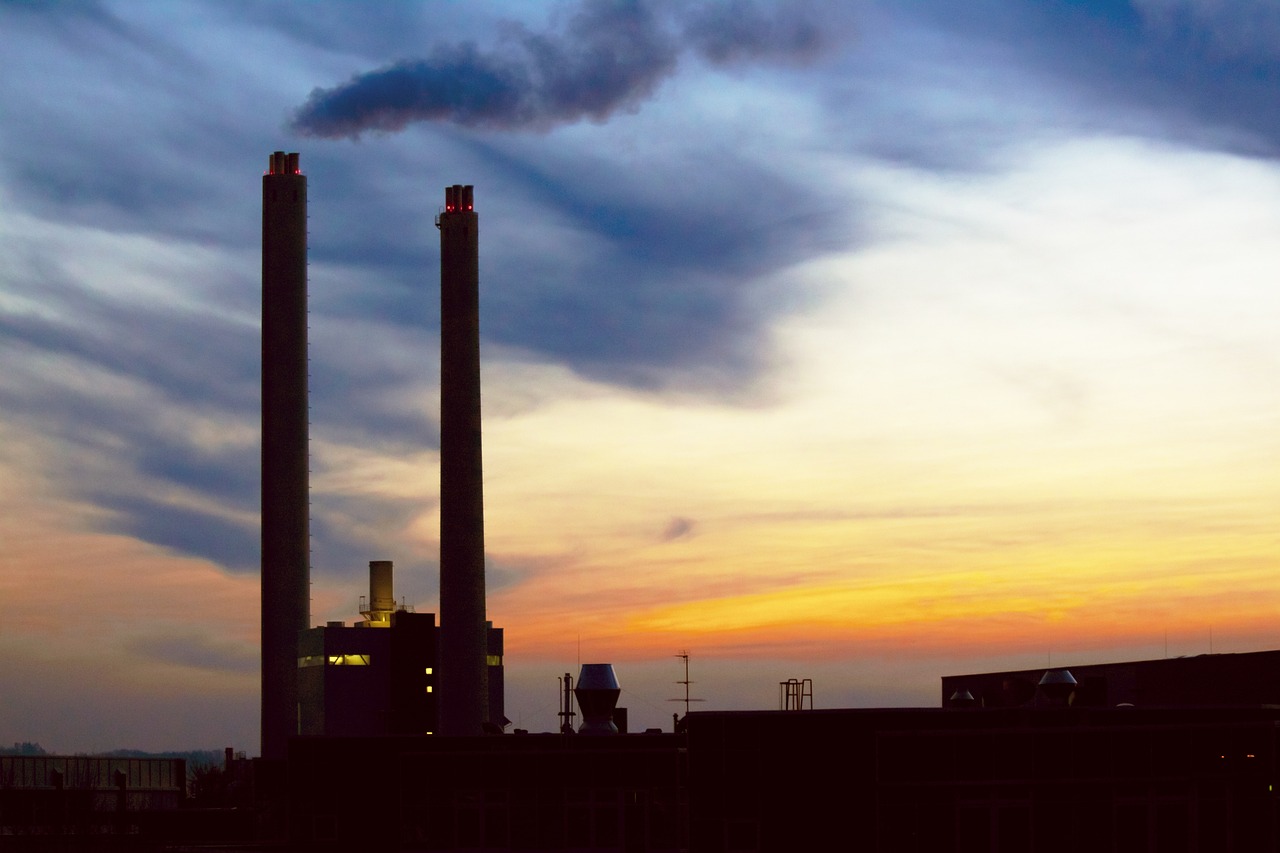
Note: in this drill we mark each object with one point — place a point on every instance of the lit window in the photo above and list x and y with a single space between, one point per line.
429 688
494 660
428 671
348 660
310 660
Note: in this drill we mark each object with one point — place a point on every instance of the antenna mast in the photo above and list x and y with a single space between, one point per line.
684 655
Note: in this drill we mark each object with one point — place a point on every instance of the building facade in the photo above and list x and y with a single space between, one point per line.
370 681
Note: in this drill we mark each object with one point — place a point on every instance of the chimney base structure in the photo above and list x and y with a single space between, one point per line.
285 527
464 692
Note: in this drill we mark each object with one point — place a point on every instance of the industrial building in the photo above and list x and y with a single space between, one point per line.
409 675
1018 761
378 676
516 792
46 800
923 780
1051 780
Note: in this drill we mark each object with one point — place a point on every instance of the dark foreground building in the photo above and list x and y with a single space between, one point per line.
905 780
1160 780
1250 678
1035 779
517 792
81 802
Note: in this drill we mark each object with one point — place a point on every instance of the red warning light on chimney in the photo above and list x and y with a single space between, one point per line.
281 163
458 198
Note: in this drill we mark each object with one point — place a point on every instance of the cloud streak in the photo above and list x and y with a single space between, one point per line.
611 55
1200 72
193 649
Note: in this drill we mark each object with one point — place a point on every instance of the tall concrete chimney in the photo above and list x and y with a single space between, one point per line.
286 564
464 693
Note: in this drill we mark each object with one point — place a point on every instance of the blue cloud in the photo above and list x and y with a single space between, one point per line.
188 531
1162 69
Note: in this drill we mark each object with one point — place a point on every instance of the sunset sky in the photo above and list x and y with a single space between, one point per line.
866 341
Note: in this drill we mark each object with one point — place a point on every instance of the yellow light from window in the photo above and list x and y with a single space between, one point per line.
349 660
428 671
429 688
494 660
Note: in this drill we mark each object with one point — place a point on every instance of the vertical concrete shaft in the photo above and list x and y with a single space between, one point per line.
464 702
285 535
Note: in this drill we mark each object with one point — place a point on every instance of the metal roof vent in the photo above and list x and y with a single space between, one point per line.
597 692
1058 686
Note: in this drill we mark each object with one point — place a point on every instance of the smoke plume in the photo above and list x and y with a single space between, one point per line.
611 55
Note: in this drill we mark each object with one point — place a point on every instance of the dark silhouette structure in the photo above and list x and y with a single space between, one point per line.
896 780
54 800
378 676
1031 780
1249 678
1019 761
369 682
510 793
463 659
285 533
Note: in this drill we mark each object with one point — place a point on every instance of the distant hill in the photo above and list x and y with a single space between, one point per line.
193 757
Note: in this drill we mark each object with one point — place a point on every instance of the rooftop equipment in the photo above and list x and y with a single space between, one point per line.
597 694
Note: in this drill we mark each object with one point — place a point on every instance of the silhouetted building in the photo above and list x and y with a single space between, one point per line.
285 536
463 670
53 799
517 792
353 681
1251 678
908 780
379 677
1026 779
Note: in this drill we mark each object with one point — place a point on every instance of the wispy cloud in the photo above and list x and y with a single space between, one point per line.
196 650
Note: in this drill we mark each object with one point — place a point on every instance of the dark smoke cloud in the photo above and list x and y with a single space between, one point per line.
610 56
